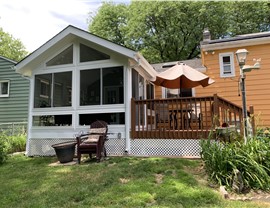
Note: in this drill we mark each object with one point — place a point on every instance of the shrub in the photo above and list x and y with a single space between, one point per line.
16 143
3 151
250 161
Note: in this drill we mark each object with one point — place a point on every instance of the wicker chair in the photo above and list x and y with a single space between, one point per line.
93 142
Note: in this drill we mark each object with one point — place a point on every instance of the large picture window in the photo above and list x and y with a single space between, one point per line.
4 88
101 86
53 90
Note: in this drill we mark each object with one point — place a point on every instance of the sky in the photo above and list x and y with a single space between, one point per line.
34 22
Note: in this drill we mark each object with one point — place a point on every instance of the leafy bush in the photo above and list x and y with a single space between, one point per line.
3 151
263 134
250 161
16 143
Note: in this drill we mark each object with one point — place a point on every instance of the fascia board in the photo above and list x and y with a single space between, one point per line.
235 44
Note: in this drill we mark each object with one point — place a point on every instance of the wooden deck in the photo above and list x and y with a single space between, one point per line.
183 118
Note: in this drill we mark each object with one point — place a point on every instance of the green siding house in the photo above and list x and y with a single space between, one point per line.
14 91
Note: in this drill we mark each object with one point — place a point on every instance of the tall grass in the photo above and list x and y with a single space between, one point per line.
251 161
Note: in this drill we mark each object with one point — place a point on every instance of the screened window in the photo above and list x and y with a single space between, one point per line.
90 87
102 86
150 91
90 54
137 85
4 88
226 65
65 57
52 120
110 118
113 91
53 90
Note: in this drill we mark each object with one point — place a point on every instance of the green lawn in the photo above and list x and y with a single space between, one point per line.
117 182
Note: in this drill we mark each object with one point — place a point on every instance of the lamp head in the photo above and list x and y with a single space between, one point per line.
241 55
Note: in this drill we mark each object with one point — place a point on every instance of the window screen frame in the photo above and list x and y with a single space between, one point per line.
222 64
8 88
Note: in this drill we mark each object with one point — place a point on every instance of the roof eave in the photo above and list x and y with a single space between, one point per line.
145 65
234 43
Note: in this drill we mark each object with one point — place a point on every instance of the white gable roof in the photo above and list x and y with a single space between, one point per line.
26 65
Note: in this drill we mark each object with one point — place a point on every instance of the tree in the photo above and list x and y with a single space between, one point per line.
172 30
10 47
110 22
248 17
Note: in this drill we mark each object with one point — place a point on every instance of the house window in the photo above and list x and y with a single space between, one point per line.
65 57
4 88
44 88
53 90
137 86
183 92
52 120
150 91
90 54
102 86
226 63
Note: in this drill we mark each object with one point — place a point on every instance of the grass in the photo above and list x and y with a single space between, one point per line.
117 182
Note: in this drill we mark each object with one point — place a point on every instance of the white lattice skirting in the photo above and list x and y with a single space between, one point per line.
138 147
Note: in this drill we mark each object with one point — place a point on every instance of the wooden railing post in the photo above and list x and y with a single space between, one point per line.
216 111
251 116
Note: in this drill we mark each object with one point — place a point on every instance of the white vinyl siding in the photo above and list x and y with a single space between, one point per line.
226 62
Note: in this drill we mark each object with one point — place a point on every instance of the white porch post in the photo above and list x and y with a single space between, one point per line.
30 117
128 95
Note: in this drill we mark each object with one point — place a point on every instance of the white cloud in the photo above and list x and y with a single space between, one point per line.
36 21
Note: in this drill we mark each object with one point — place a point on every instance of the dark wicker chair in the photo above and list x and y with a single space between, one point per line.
93 142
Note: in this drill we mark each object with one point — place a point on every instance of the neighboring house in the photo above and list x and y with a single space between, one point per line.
14 91
218 56
76 78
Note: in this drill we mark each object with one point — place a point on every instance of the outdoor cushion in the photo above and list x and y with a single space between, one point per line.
91 139
97 131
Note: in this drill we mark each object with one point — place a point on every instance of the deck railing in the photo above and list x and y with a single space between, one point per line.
183 118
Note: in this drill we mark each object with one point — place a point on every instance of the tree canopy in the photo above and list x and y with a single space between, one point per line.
172 30
11 47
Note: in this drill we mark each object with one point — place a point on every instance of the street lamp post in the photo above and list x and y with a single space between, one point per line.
241 55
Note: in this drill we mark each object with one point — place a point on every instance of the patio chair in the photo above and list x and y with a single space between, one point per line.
93 142
163 117
195 115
